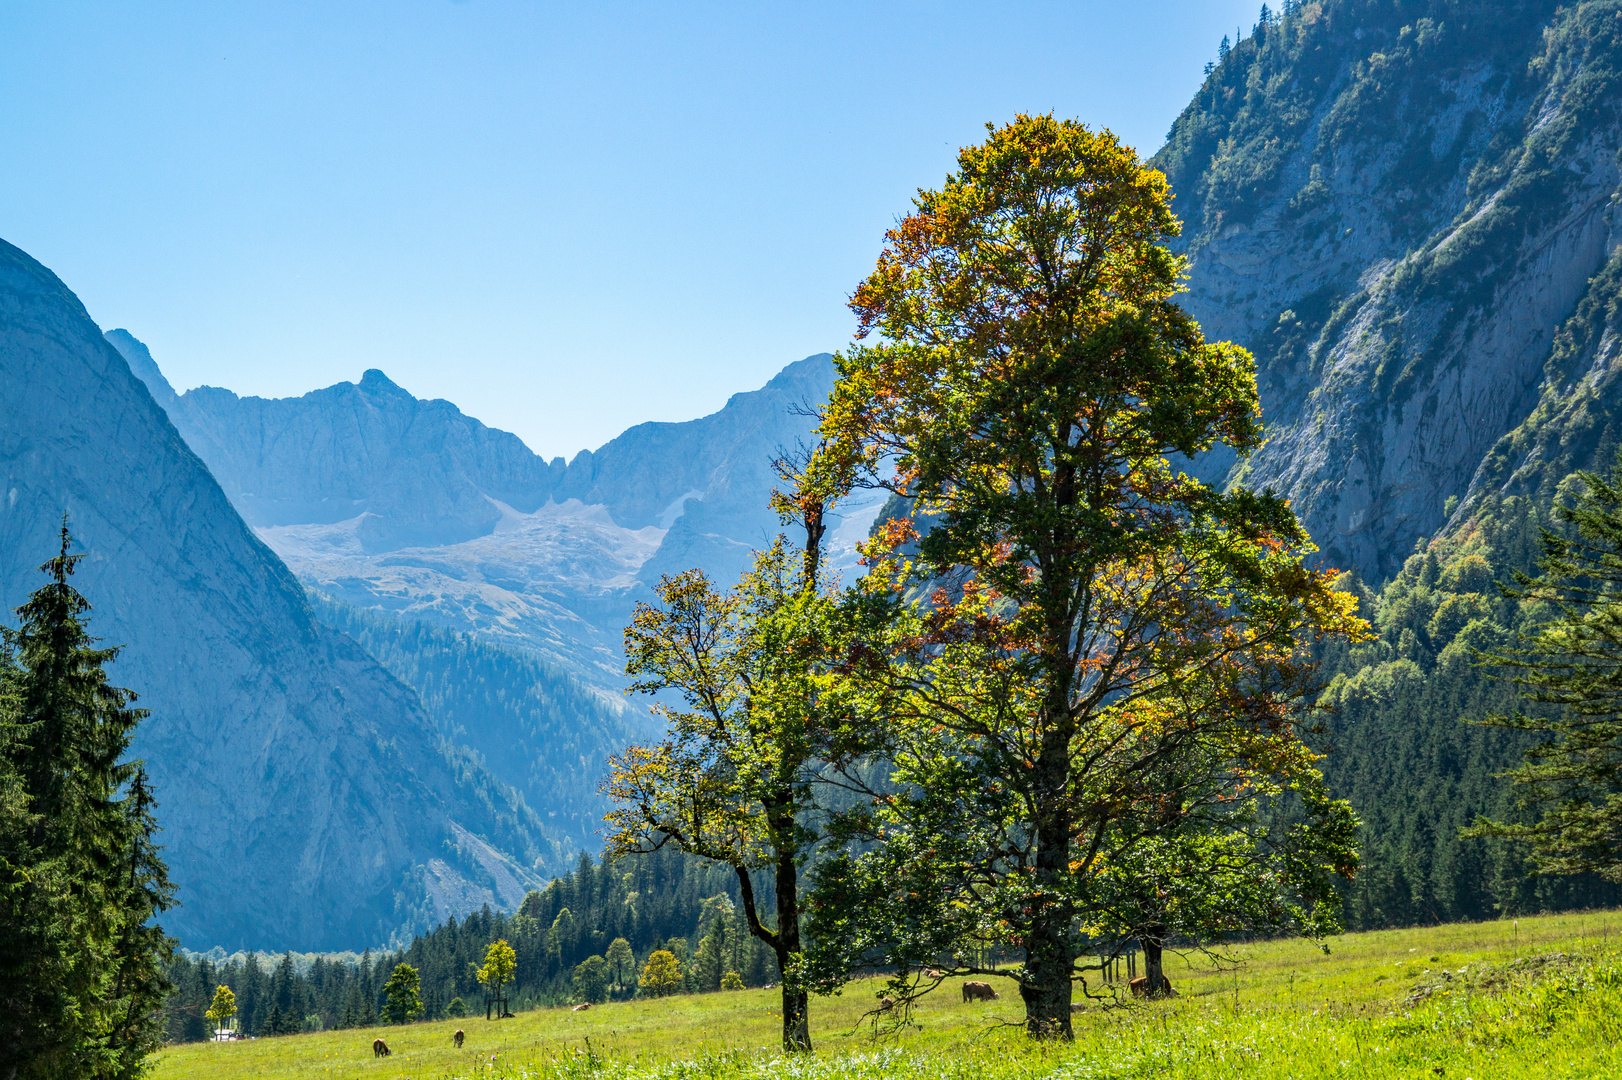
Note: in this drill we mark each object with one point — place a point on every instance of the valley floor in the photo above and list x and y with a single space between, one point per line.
1540 996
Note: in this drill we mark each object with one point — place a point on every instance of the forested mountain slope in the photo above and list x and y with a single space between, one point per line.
529 724
305 798
1408 212
1394 205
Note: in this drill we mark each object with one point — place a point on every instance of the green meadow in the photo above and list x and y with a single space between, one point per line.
1541 996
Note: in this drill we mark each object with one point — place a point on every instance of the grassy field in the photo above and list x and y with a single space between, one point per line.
1539 997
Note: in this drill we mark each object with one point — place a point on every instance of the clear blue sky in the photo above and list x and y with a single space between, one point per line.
564 218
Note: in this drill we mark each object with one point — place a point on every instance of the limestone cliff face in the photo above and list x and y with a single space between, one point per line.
1395 214
304 798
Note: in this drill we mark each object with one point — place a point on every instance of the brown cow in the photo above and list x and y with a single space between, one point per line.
458 1037
1140 986
931 973
979 991
581 1007
886 1003
380 1048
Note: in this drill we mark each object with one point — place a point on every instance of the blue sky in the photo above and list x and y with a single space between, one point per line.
565 218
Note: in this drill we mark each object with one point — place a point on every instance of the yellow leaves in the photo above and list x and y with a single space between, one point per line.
500 965
224 1005
661 975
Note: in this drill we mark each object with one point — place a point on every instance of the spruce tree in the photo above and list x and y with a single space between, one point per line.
144 952
85 972
1573 664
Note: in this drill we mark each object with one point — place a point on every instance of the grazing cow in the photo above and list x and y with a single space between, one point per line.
931 973
1140 986
581 1007
458 1037
380 1048
886 1003
979 991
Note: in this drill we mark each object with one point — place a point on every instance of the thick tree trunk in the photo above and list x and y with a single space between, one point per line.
1151 940
1048 946
796 1001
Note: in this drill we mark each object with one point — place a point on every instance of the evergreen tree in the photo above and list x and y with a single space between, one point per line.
403 993
144 951
1224 49
84 973
709 961
1573 662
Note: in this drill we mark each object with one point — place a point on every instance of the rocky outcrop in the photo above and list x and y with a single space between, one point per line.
1395 214
305 799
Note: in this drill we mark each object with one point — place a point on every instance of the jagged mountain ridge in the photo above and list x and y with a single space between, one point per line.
305 798
412 472
560 571
1394 206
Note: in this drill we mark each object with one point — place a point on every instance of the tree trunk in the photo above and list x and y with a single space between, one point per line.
796 1001
1151 940
1048 946
785 940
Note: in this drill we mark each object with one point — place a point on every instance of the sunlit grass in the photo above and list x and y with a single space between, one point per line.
1285 1010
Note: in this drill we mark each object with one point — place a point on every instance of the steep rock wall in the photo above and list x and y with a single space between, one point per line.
305 800
1394 209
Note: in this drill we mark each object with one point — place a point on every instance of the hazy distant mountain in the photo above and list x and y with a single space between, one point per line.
527 722
406 472
306 799
539 555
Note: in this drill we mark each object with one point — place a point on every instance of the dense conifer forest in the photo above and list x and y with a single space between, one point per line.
1403 738
658 901
526 721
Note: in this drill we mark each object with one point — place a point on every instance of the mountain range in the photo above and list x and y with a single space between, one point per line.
385 502
1395 207
381 640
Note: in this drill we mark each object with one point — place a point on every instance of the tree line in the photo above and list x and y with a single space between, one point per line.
586 937
1398 745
